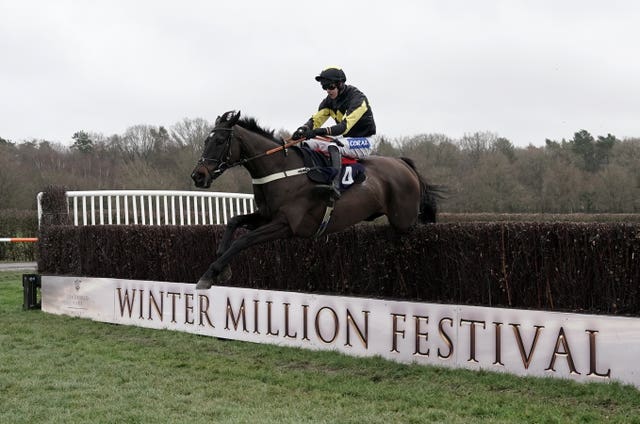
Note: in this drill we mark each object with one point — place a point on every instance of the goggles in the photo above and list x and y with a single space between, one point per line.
329 85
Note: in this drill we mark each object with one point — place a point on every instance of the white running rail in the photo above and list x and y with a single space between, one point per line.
154 207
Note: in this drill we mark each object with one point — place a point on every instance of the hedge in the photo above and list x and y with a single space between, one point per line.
586 267
539 217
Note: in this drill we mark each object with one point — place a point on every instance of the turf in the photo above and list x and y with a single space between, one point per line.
70 370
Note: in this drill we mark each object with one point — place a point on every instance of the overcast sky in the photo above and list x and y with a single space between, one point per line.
526 70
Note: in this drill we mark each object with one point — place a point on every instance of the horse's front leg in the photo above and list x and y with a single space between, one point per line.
272 231
250 221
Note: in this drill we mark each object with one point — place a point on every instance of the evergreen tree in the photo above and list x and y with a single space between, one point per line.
505 147
603 148
82 142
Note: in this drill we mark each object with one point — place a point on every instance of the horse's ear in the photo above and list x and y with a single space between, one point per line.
231 117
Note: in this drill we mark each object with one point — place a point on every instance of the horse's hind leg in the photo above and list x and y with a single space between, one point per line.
402 224
402 214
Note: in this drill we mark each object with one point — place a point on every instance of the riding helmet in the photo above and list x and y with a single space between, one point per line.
332 74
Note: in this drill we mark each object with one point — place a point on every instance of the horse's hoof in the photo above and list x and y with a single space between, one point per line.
225 275
204 284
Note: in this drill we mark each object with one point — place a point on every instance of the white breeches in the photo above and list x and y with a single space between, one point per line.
353 147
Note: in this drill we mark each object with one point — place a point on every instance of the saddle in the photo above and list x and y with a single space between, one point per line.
321 172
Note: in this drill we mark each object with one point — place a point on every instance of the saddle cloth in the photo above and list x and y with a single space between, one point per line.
352 172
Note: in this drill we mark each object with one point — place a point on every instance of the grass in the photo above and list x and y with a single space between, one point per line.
62 369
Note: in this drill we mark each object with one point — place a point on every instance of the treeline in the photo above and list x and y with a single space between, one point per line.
144 157
482 171
487 173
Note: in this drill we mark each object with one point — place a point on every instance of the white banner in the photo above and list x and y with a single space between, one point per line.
523 342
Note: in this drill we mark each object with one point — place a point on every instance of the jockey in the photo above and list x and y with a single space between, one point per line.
350 109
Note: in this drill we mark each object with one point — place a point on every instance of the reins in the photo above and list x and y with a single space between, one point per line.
223 165
286 143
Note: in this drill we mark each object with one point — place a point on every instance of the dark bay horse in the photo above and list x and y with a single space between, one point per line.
288 205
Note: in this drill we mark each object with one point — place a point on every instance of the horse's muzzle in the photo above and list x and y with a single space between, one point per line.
201 179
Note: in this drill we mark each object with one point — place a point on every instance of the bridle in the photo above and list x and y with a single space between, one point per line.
222 161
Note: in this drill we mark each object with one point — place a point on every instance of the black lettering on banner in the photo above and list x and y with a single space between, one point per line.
336 326
256 302
593 363
472 337
141 299
396 331
188 308
126 301
364 337
269 332
305 322
420 334
173 296
153 302
203 300
241 316
526 356
498 349
445 337
566 352
286 323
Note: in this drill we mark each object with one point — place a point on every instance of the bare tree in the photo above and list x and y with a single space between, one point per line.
477 144
191 133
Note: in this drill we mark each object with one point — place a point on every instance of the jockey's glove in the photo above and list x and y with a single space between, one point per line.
319 131
307 133
302 132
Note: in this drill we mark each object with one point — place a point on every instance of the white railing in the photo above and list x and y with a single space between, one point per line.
154 207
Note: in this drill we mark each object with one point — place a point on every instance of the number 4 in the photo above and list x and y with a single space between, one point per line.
347 177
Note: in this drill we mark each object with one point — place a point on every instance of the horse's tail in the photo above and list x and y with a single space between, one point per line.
429 195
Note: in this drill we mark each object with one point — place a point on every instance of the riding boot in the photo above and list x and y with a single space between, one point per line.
336 164
333 188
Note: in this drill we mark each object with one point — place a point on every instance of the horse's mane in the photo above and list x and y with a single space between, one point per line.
250 124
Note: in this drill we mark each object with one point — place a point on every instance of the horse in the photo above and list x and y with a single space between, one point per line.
287 204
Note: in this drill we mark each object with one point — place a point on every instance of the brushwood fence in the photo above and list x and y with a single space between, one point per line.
587 267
